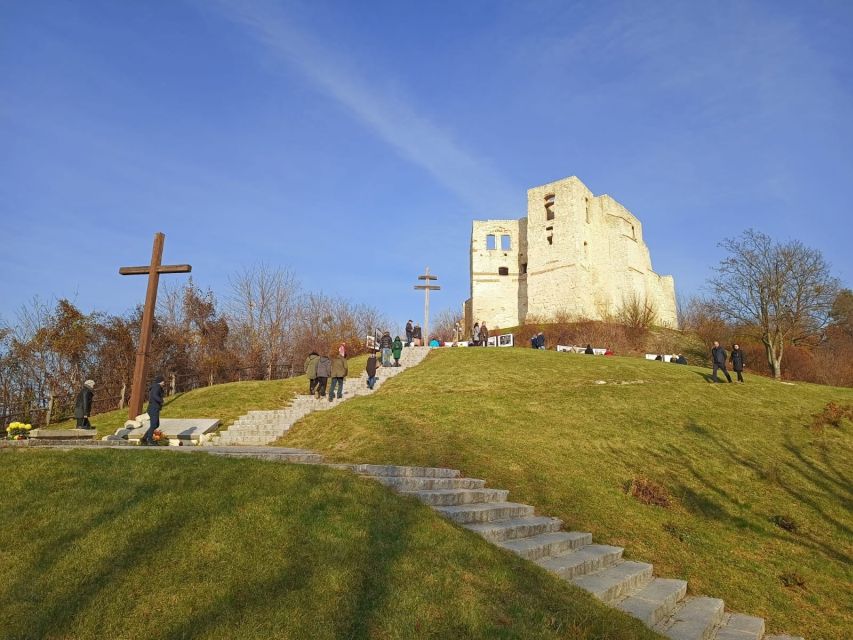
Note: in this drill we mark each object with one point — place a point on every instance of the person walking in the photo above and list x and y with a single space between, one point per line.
737 362
155 403
718 357
484 334
475 334
324 370
83 405
410 330
385 344
339 372
311 371
397 350
370 367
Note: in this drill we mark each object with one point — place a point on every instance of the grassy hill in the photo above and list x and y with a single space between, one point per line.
568 433
161 545
224 401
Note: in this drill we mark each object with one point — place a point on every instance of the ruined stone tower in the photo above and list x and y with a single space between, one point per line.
574 253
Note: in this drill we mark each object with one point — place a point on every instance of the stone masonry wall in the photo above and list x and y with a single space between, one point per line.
574 253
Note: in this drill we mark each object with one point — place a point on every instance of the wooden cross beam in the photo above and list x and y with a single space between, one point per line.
153 271
426 288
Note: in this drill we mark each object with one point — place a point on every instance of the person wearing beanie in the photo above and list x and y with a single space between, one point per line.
155 403
83 405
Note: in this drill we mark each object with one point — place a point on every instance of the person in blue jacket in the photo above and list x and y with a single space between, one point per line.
155 403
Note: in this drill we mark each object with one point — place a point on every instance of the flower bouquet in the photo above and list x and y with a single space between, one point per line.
18 431
159 437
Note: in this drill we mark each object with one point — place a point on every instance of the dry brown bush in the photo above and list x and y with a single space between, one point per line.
649 492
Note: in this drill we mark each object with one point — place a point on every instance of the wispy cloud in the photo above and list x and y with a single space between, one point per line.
394 119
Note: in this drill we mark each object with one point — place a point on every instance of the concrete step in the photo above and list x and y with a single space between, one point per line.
737 626
784 637
546 544
411 484
303 458
656 601
515 528
695 619
451 497
485 512
612 583
403 472
587 559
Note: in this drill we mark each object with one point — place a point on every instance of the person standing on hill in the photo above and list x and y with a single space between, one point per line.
737 362
370 368
475 334
718 357
83 405
588 351
397 350
410 331
311 371
339 372
324 370
385 344
484 335
155 404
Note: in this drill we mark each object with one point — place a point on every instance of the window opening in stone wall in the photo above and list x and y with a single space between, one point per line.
503 271
506 243
490 242
523 267
550 231
587 210
633 233
549 207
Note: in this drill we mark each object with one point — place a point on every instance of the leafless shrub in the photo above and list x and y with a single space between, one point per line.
648 492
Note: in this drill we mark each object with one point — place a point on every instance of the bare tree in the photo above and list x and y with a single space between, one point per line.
444 325
637 312
784 291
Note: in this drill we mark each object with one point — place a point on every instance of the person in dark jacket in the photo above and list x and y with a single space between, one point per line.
397 350
417 335
155 403
588 351
475 334
370 368
311 371
718 357
737 362
385 344
83 405
484 335
680 359
340 369
324 371
410 330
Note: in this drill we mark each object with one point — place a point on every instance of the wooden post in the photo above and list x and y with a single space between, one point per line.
122 395
49 410
153 271
426 289
172 384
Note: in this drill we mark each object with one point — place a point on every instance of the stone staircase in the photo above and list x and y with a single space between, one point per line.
631 586
263 427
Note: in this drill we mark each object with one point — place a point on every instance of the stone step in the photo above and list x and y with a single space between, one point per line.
261 431
451 497
611 583
784 637
587 559
410 484
696 619
485 512
515 528
403 472
737 626
303 458
546 544
656 601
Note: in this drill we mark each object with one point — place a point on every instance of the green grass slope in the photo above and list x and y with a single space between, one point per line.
732 457
226 401
161 545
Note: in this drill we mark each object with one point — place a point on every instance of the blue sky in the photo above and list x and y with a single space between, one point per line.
354 142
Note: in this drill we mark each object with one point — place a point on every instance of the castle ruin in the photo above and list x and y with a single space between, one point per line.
575 253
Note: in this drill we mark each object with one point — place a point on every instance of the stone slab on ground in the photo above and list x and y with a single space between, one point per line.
63 434
186 429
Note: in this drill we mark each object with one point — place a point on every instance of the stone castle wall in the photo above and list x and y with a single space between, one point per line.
575 253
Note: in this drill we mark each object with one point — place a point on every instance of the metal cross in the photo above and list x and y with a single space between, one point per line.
153 271
426 289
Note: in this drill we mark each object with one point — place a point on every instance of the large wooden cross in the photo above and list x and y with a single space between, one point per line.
426 288
153 271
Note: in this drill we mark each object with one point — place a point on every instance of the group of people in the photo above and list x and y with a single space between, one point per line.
84 401
480 335
719 357
320 369
413 333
